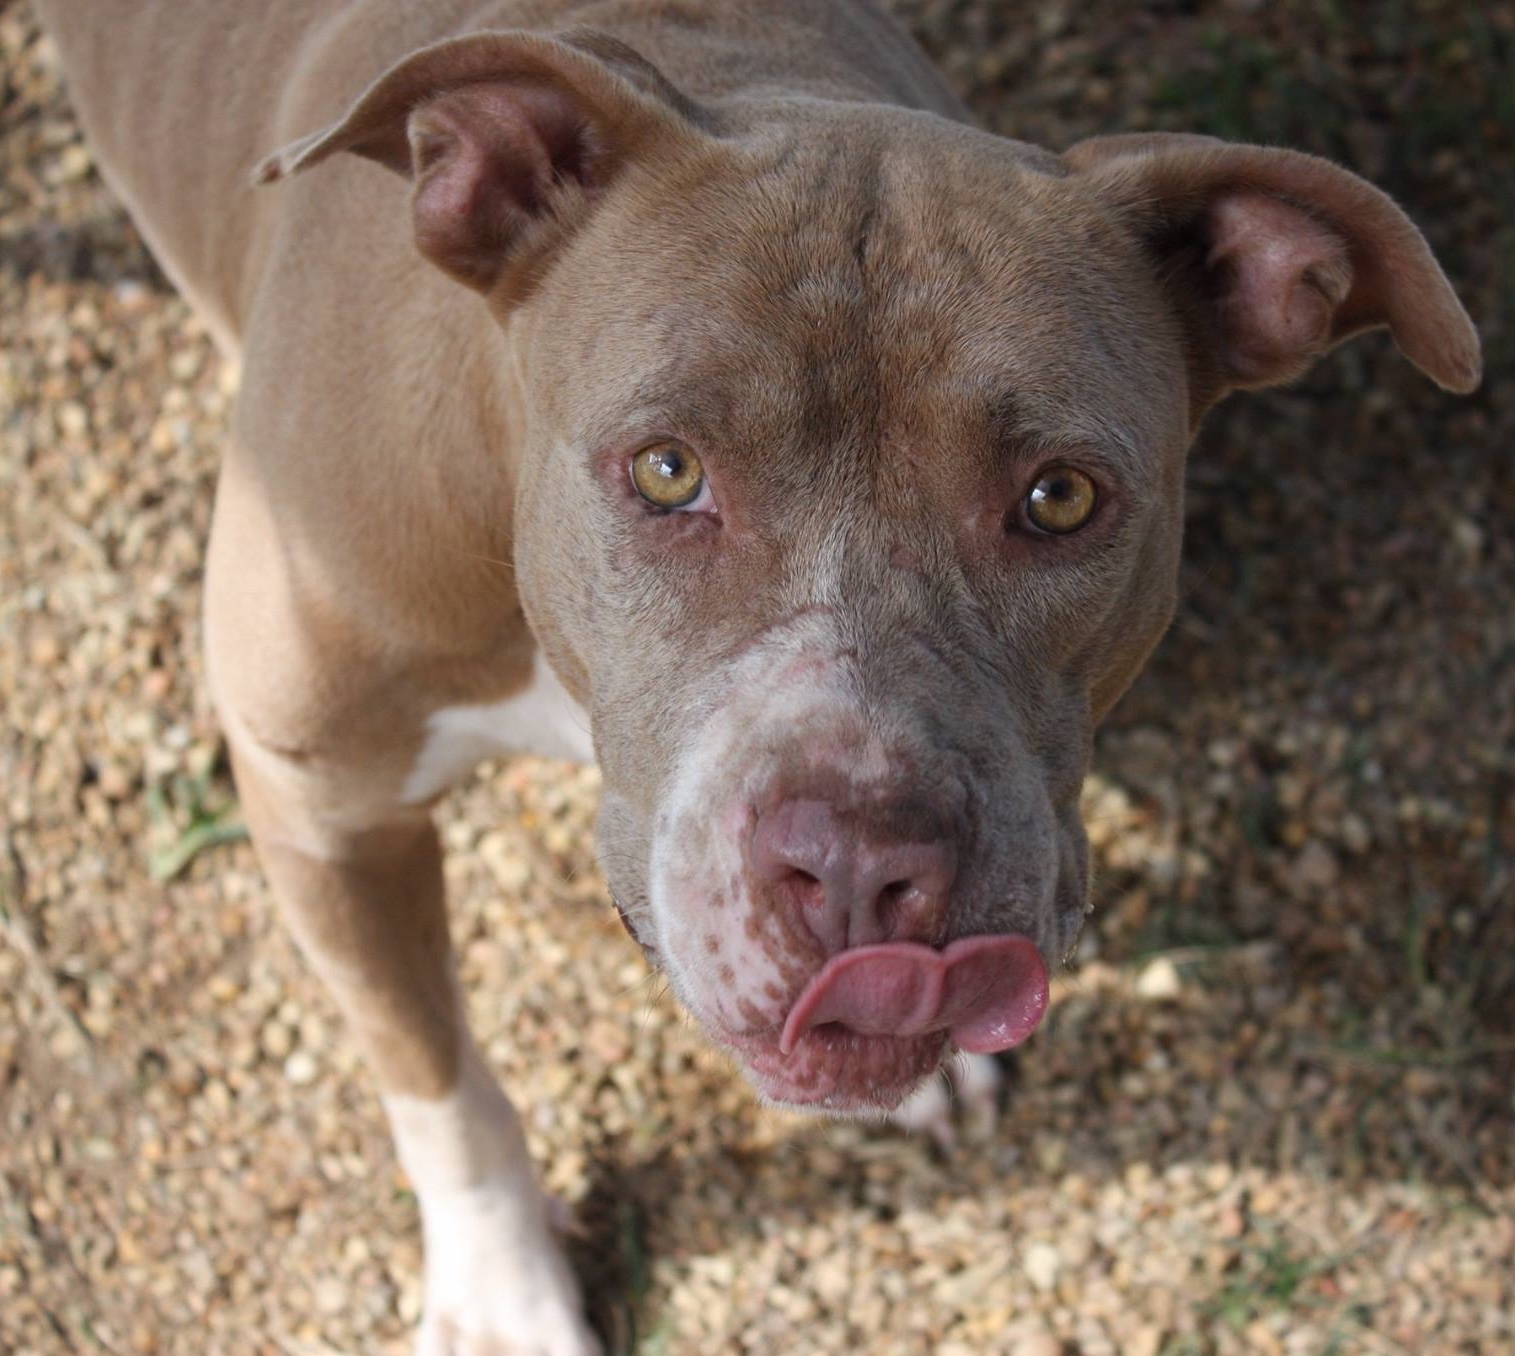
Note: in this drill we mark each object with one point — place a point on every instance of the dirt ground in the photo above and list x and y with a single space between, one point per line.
1271 1110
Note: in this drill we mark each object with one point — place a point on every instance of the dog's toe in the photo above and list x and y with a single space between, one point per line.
497 1283
978 1081
440 1337
969 1084
928 1111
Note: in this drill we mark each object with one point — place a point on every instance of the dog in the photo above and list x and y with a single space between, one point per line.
838 450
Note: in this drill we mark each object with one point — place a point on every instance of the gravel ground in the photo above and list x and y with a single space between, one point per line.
1271 1110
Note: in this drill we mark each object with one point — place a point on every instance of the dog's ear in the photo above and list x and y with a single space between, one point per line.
506 137
1275 256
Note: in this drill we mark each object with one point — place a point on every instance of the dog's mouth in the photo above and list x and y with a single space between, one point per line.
874 1021
839 1071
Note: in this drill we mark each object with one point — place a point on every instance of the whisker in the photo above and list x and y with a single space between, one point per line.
645 980
488 560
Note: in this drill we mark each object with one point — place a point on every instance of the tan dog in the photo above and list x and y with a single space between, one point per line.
839 449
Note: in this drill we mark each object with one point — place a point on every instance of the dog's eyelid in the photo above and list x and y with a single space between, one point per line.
1033 457
1111 458
1064 429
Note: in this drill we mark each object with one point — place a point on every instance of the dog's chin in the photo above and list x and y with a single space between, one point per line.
837 1072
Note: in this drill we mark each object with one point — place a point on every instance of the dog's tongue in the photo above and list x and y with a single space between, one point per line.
989 992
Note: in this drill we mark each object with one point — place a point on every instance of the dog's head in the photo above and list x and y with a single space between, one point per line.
853 496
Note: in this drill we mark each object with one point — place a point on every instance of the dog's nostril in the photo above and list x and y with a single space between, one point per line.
850 884
891 903
803 887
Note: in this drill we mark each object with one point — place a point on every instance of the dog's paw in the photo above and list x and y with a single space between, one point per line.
497 1283
966 1090
438 1337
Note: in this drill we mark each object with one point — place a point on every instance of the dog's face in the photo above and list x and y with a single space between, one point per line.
852 497
864 503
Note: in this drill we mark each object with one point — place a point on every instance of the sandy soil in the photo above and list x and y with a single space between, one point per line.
1271 1110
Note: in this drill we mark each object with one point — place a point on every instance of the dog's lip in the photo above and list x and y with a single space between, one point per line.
647 948
829 1066
625 917
835 1070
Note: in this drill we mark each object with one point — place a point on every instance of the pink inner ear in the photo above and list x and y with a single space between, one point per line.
1280 277
486 159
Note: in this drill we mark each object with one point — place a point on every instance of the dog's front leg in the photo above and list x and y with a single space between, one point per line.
367 906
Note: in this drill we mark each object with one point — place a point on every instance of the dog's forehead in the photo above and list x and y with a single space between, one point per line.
876 288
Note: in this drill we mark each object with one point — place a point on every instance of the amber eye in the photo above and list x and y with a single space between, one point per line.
1062 500
667 475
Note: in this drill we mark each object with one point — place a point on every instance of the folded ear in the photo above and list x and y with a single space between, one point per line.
1277 256
505 137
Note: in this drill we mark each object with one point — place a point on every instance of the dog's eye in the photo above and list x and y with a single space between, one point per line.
668 475
1062 500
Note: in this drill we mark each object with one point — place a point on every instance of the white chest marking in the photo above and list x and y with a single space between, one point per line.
543 719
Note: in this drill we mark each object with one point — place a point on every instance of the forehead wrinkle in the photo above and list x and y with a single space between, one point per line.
809 198
869 293
874 268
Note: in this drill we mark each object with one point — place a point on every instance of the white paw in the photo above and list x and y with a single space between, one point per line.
497 1283
968 1083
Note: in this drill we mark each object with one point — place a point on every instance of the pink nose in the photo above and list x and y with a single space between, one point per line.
855 886
874 890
